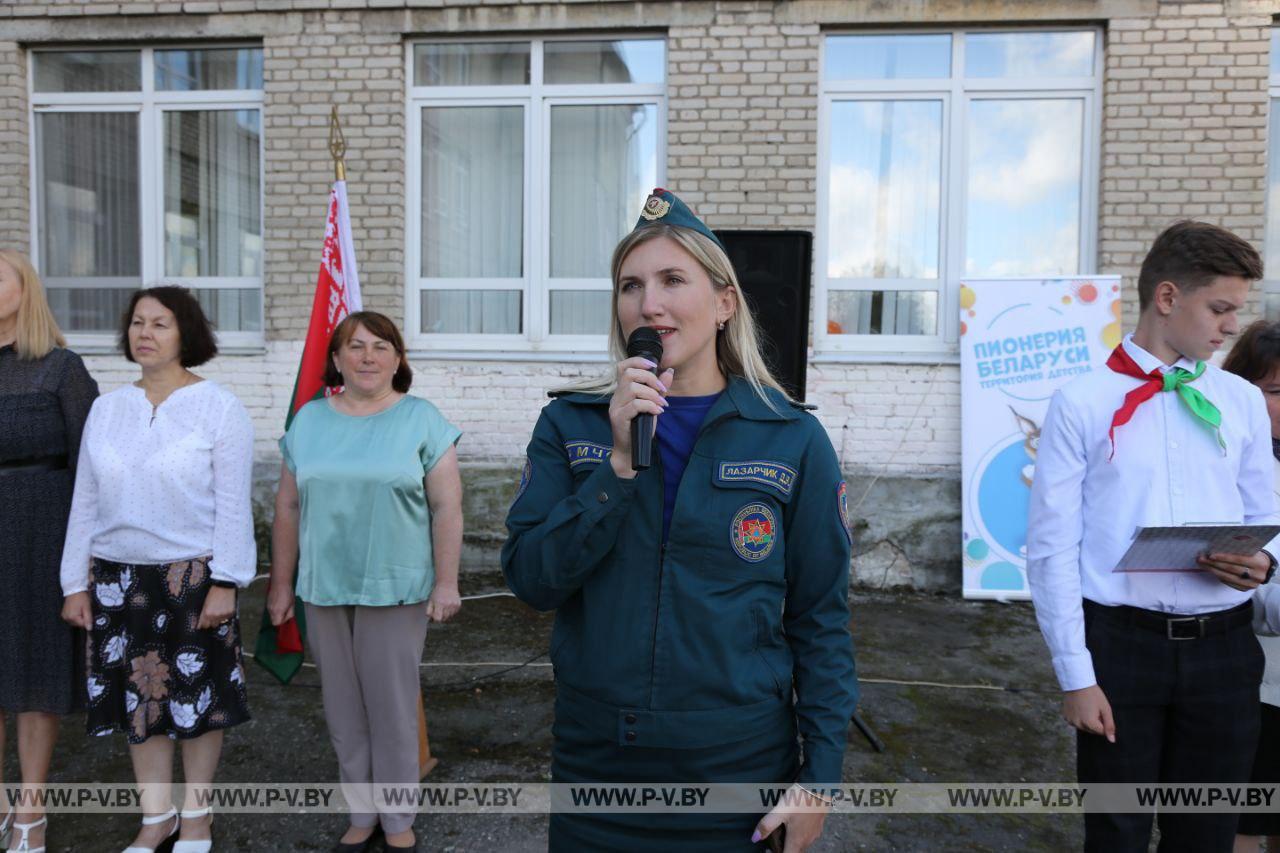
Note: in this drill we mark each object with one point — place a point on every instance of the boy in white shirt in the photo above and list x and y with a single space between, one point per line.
1160 670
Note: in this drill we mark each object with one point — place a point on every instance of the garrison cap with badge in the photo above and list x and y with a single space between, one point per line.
664 207
686 644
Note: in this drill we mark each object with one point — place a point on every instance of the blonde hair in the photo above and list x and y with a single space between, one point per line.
38 331
737 347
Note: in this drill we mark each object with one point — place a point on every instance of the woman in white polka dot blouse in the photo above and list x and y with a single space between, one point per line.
159 540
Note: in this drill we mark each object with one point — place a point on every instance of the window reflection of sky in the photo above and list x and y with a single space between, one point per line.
632 61
888 57
886 164
1023 213
1026 55
1272 239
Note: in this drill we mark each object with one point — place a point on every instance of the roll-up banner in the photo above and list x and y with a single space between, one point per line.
1020 340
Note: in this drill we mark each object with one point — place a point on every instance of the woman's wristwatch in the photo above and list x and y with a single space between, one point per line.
1271 569
221 584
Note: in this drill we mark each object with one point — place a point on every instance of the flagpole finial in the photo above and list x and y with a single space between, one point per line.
337 145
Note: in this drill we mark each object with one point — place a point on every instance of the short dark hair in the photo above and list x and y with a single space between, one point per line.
1191 255
195 334
1256 353
380 326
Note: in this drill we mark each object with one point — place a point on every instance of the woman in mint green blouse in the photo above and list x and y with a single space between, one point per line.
369 514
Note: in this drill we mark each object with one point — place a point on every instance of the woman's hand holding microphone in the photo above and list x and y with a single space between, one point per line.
639 391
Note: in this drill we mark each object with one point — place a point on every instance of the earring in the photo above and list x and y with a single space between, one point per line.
720 325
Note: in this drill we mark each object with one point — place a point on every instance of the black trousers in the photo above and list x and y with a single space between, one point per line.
1185 711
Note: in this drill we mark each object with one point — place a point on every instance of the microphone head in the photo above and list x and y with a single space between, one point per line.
646 343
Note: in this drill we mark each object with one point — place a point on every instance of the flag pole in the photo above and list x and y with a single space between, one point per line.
337 145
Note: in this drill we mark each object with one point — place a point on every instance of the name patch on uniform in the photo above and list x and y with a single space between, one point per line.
526 477
781 477
842 510
586 453
753 532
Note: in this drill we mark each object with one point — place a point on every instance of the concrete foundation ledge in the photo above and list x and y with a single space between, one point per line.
906 528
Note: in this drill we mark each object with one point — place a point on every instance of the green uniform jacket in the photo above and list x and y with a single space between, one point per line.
700 642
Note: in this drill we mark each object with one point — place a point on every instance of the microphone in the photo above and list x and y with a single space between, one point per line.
646 343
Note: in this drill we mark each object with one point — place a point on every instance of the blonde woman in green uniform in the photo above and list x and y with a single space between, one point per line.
701 630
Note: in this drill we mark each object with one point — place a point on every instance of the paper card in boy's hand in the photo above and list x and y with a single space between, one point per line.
1175 549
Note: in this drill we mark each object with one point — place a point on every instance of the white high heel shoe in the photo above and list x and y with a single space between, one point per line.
170 836
204 845
24 843
6 824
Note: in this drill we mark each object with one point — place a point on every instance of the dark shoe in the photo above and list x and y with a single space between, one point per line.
413 849
359 846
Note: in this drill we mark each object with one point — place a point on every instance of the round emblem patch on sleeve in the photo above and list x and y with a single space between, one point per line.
842 510
753 532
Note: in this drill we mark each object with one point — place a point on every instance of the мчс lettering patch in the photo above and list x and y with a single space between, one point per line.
586 453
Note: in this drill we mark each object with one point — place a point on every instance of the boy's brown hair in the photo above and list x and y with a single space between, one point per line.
1191 255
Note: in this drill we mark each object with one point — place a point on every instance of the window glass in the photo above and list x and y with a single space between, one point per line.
212 193
472 192
888 57
88 71
636 61
471 312
209 68
1024 55
463 64
885 189
604 162
1025 176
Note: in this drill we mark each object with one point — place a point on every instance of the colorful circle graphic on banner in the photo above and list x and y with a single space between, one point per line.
1000 495
1004 577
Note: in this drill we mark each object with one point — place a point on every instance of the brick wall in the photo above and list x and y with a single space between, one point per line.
743 128
1184 129
14 117
328 60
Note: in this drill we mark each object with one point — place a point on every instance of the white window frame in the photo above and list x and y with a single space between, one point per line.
149 104
536 283
1271 283
955 93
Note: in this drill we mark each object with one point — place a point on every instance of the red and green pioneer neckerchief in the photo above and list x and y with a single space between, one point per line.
1179 379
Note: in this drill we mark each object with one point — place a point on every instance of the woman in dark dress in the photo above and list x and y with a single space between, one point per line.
45 395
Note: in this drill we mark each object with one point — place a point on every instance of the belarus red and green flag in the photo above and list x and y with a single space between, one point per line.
279 649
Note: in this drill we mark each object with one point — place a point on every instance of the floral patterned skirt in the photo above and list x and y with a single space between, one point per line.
151 671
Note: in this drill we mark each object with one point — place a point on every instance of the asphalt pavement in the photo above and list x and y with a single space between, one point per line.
956 691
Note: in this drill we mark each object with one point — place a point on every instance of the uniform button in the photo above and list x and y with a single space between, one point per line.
603 497
631 736
1173 445
631 719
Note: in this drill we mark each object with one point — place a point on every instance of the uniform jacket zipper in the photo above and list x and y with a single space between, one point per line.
662 552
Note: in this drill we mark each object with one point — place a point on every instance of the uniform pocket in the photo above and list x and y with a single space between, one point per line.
747 500
763 646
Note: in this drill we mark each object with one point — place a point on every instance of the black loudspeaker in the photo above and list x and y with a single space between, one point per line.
774 269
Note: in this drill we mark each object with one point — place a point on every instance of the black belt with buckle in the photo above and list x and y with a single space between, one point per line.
1173 626
38 463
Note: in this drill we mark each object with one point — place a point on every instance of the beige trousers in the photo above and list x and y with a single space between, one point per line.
369 663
